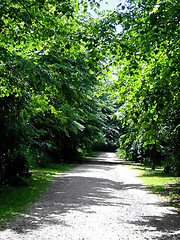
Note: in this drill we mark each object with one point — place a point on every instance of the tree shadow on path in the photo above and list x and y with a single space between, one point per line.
87 186
71 192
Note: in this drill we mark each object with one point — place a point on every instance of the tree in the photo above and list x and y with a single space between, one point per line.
51 65
148 84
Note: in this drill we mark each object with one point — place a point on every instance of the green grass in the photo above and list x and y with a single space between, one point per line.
160 183
91 155
15 201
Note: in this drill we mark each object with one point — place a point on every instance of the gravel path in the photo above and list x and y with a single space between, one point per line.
98 200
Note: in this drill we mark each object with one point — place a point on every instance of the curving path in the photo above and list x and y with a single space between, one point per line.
98 200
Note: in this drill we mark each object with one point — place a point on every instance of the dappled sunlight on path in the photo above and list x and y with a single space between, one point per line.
98 200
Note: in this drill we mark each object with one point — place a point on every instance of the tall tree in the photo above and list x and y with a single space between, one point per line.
49 68
148 85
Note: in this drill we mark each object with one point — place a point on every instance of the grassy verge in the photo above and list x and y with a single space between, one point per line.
160 183
15 201
91 155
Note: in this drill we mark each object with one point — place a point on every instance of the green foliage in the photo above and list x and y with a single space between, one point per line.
56 63
121 153
148 81
50 54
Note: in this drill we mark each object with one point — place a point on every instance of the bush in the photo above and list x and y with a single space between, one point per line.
121 153
15 170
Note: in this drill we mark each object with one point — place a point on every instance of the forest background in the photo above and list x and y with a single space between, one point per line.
59 97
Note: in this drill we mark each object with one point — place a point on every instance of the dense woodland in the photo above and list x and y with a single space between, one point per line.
59 97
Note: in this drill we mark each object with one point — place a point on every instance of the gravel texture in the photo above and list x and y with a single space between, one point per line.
99 200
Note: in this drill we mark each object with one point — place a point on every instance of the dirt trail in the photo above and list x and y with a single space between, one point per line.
98 200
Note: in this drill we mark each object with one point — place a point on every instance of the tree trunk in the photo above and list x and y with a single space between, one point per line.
154 157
